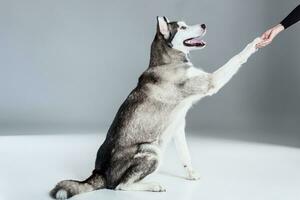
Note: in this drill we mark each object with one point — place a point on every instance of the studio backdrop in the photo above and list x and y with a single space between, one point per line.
68 65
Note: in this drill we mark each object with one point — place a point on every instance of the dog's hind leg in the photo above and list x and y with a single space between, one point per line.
139 186
144 163
183 152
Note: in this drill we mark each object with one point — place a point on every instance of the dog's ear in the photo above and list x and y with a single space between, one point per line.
166 19
162 27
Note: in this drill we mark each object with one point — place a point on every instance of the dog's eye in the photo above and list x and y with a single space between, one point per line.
183 27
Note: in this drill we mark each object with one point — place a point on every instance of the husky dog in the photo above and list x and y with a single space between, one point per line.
154 113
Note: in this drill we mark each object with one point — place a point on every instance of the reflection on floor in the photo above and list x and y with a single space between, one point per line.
230 170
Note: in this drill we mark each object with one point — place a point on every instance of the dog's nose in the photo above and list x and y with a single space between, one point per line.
203 26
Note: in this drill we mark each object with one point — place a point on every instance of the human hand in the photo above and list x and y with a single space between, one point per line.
268 36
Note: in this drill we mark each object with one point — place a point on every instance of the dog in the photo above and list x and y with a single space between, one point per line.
154 113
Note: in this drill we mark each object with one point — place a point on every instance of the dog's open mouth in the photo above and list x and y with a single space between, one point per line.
194 42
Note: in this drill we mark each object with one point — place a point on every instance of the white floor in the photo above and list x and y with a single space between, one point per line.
230 170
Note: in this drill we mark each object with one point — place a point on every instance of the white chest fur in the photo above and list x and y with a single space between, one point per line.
193 71
177 119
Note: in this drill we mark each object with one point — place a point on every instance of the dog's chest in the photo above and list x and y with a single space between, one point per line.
177 116
193 71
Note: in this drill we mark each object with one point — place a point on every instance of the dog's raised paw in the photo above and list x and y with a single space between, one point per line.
255 42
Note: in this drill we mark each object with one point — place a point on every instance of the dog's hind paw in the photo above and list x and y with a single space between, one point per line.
158 188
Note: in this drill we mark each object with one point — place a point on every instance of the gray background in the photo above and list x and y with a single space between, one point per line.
66 66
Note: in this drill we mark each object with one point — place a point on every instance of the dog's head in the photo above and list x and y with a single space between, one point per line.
178 35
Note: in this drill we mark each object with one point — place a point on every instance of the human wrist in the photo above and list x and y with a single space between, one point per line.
279 27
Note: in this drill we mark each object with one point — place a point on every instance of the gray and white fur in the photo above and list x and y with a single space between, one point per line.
154 113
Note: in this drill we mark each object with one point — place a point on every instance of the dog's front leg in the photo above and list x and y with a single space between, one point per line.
223 75
183 151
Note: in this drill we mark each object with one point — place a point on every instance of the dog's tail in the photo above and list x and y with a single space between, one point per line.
68 188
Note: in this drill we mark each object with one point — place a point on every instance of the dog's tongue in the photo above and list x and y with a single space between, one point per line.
196 40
